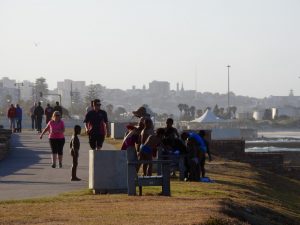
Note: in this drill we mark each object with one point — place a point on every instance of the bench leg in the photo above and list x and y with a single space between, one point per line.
140 190
166 180
131 175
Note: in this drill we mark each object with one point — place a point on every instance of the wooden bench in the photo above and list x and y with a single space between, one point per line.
134 180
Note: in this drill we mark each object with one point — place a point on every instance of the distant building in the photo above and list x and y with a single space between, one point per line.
277 101
244 115
27 91
258 114
159 87
288 111
8 92
68 89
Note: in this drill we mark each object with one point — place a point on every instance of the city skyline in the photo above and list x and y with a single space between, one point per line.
120 44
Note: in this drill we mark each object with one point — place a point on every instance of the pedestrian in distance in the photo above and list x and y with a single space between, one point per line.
38 113
32 116
57 107
205 151
74 150
48 112
56 129
19 113
11 115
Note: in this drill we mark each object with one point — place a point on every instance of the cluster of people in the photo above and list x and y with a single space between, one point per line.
146 142
96 126
37 113
14 115
56 128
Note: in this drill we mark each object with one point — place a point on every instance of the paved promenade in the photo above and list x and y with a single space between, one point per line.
26 171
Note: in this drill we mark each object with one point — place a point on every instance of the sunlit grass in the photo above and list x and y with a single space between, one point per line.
239 193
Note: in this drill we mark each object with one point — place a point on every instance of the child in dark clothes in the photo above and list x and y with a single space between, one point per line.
74 150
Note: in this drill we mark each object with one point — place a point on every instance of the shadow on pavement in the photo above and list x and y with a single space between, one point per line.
20 156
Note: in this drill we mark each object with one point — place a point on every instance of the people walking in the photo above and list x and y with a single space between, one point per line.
32 116
58 108
38 113
48 113
74 148
96 125
11 115
19 118
56 129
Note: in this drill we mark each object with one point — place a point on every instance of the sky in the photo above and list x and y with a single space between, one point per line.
121 43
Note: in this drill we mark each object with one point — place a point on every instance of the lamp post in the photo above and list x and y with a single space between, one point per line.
228 67
19 91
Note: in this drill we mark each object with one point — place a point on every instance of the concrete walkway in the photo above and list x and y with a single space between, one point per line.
26 171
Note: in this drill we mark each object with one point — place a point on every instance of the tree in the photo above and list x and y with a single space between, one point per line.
109 109
216 110
119 113
40 88
180 107
94 91
186 109
77 107
193 111
199 112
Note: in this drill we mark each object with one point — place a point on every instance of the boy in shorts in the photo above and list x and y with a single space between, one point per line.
74 150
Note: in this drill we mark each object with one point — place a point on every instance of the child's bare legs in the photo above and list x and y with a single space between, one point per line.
74 167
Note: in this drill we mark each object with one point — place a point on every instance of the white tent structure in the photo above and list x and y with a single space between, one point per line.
220 129
208 117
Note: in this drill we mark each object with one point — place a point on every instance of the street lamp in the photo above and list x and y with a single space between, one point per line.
19 91
228 67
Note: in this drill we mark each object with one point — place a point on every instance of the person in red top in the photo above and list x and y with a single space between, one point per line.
56 129
11 115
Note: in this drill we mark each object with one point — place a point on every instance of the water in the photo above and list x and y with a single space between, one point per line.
271 149
276 137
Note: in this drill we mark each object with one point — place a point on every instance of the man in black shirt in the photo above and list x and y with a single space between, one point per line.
96 125
58 108
38 113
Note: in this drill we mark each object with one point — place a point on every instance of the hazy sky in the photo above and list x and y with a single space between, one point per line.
120 43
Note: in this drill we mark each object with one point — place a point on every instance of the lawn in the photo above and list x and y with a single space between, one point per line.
240 194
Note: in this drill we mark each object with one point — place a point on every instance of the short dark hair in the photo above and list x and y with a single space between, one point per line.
96 101
77 128
170 120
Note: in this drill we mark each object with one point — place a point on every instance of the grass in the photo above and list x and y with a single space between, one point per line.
117 143
240 195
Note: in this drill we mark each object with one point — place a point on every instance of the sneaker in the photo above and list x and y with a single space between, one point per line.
75 179
53 165
60 165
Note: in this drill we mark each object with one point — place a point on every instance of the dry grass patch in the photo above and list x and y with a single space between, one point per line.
240 195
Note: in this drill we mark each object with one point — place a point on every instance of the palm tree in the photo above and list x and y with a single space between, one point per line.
199 112
192 111
180 107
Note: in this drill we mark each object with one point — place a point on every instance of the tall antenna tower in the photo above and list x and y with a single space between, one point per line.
196 78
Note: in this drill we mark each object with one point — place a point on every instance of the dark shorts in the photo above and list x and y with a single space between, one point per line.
57 145
96 141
